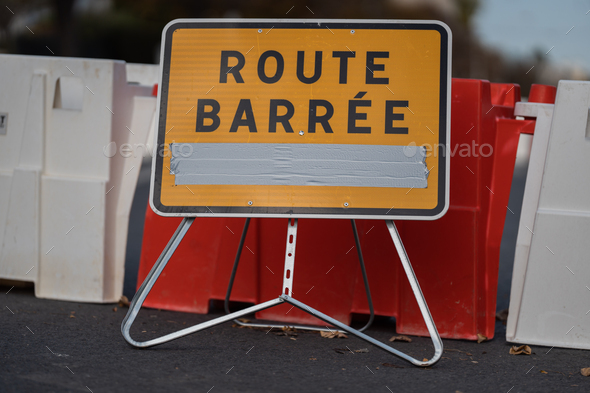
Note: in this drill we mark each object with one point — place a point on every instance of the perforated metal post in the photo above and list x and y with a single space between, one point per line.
290 258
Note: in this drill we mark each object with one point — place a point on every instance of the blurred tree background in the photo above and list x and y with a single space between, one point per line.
131 30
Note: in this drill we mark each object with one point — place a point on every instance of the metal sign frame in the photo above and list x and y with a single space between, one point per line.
344 212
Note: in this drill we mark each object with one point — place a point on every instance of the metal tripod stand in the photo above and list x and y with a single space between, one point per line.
284 297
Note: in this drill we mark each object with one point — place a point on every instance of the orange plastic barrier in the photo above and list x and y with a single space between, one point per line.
455 258
200 269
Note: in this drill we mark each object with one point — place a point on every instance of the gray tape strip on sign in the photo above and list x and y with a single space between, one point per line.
298 165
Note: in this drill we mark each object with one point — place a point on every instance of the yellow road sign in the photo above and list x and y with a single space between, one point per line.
345 119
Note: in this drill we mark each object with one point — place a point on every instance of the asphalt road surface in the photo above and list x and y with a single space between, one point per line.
55 346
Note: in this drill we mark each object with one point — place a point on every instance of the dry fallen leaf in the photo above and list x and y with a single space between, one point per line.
123 302
286 333
333 334
585 371
424 360
481 338
502 315
401 338
392 365
243 320
523 349
235 325
544 372
312 359
114 309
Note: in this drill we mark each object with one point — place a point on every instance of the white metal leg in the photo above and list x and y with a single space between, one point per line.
403 256
151 279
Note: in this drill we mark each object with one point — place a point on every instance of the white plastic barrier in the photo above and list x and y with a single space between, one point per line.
64 199
149 75
550 295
